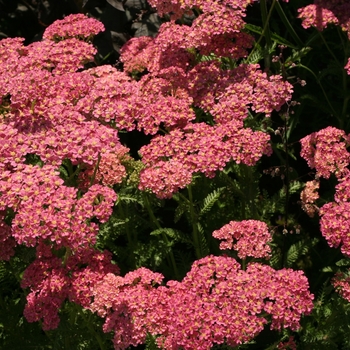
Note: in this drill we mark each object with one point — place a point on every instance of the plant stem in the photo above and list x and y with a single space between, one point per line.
95 170
158 226
288 25
250 192
265 33
195 233
92 330
324 92
122 215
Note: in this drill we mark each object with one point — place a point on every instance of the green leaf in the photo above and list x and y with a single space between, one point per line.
343 262
175 235
182 208
210 200
275 37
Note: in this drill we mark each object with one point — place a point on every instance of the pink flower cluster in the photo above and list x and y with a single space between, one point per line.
76 25
173 158
62 115
215 303
326 152
341 283
335 223
51 282
308 197
130 305
251 238
109 172
324 12
180 82
46 209
317 16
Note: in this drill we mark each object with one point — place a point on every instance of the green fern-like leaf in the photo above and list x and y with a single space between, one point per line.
151 342
292 255
296 251
210 200
174 235
182 208
203 241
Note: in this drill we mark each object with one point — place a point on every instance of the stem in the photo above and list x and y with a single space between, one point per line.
95 170
195 233
345 77
266 31
92 330
285 142
122 214
73 173
319 83
158 226
265 16
331 52
250 193
288 26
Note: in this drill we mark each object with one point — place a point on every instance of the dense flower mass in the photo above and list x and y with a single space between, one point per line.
317 16
77 25
46 209
341 282
308 197
198 148
216 302
52 282
326 152
324 12
335 223
251 238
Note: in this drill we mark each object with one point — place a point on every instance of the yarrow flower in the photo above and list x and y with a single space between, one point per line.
341 283
129 305
335 225
308 197
46 209
215 303
198 148
251 238
51 282
324 12
73 26
316 16
326 152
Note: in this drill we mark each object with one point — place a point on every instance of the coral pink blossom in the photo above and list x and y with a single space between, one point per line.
335 223
341 283
250 236
326 152
324 12
51 282
308 197
76 25
215 303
